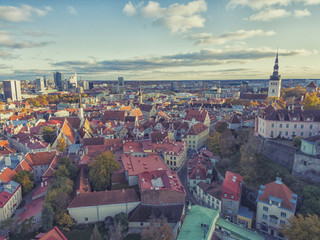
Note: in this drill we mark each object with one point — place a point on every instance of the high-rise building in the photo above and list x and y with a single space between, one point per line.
40 84
120 81
275 81
12 90
58 80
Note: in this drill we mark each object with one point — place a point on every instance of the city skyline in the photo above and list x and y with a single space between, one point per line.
159 40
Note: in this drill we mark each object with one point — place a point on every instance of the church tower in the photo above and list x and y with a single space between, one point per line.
275 81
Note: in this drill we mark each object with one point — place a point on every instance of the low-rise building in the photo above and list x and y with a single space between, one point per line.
197 136
209 195
276 203
96 206
10 198
231 196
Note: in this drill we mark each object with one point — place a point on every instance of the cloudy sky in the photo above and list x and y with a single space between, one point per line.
159 40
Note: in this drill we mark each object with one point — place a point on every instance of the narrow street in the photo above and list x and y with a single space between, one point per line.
182 173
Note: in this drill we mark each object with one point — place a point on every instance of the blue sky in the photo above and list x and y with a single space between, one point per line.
159 40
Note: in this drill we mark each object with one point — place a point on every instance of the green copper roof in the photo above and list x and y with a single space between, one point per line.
191 227
238 231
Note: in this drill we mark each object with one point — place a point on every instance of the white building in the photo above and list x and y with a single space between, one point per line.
12 90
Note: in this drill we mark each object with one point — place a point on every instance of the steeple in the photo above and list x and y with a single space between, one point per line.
275 75
140 94
275 80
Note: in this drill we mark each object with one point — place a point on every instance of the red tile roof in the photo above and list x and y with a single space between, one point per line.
279 190
117 115
137 165
7 175
68 132
53 234
23 165
41 158
104 198
197 128
32 209
232 185
199 116
312 85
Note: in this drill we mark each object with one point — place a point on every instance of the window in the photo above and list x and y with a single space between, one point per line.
283 214
271 134
232 196
225 195
265 209
287 125
311 126
293 133
141 224
301 134
282 222
272 125
286 133
295 126
305 163
229 211
229 204
280 133
273 220
280 125
264 216
302 126
310 134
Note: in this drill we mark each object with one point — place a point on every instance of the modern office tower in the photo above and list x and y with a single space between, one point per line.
85 85
45 81
40 84
58 80
120 81
91 85
12 90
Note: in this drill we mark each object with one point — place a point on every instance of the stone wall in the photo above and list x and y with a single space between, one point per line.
275 151
306 167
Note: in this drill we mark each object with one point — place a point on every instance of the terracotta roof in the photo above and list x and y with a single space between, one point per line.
23 165
93 141
53 234
199 116
197 129
145 107
117 115
104 198
7 174
278 190
33 208
234 119
68 132
232 185
73 121
214 189
41 158
158 136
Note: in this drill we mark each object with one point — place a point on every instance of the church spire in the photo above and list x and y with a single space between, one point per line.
275 75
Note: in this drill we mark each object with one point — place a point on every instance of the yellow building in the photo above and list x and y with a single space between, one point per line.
245 217
10 198
197 136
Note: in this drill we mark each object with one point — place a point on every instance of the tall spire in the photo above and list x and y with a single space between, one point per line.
275 75
140 94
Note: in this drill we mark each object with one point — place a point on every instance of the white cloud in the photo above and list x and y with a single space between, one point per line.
259 4
22 13
301 13
269 14
178 18
129 9
207 38
72 10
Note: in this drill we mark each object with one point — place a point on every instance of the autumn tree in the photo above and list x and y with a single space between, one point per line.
311 101
71 167
100 171
302 228
158 230
221 127
62 145
25 178
295 92
227 143
49 135
64 220
213 143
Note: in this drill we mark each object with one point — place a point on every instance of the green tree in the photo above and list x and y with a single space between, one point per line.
72 168
49 135
227 143
64 220
25 178
100 171
311 202
295 92
47 216
213 143
302 228
311 101
122 219
62 145
297 142
95 234
221 127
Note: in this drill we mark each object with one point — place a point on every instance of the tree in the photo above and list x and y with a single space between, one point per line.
101 169
72 168
295 92
302 228
49 135
25 178
221 127
311 203
158 230
95 234
122 219
213 143
64 220
62 145
47 217
227 143
311 101
296 142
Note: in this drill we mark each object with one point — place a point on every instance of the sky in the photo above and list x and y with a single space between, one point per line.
160 39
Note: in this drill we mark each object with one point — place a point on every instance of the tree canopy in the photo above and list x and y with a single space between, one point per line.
302 228
49 135
311 101
295 92
25 178
100 171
